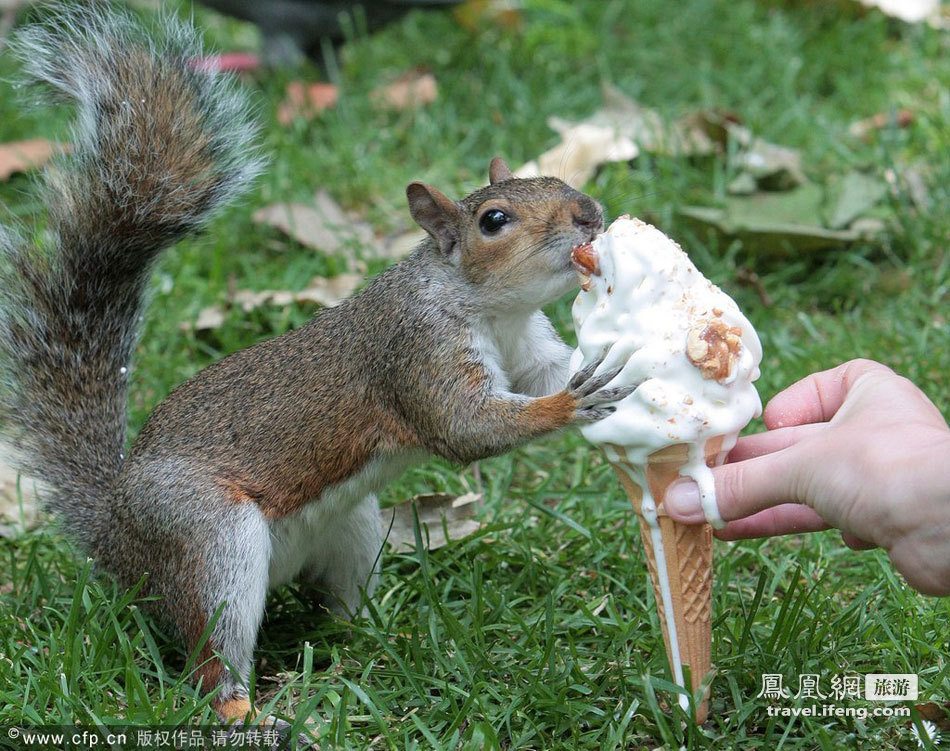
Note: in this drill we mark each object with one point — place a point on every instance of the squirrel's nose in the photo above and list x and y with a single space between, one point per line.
588 216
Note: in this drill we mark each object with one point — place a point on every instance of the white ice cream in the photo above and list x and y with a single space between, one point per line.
640 308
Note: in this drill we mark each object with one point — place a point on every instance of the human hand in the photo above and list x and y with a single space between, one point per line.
856 447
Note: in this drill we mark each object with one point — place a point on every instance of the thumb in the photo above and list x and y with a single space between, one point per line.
742 488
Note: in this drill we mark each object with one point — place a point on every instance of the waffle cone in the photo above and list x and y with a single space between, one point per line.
688 552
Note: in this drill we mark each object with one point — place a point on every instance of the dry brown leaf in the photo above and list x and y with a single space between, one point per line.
321 291
412 89
209 318
323 225
21 156
902 118
327 227
400 245
250 300
328 292
583 148
458 513
475 15
707 131
937 713
622 128
616 133
306 100
647 128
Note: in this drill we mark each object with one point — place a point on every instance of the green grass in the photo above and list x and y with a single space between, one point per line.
540 632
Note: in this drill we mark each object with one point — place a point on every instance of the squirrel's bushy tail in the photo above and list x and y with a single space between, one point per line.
157 146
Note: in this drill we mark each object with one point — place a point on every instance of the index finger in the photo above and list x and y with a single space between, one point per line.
784 519
759 444
817 397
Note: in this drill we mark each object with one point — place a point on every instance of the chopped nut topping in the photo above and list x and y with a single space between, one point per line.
696 347
714 348
585 259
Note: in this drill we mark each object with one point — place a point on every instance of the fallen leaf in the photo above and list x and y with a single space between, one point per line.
306 100
617 132
687 136
323 225
401 244
937 713
412 89
743 184
475 15
583 148
772 166
909 181
622 128
902 118
718 127
868 227
328 292
769 165
249 300
322 291
438 513
209 318
852 196
778 223
21 156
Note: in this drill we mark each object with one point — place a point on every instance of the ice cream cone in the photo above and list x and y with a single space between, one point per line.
687 553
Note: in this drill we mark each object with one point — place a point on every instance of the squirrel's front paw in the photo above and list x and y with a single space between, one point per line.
594 402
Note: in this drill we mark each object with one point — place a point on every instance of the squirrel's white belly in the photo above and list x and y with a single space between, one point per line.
336 533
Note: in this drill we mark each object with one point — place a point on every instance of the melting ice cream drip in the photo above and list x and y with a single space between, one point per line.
648 512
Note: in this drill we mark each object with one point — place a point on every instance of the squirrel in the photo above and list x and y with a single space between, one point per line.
264 467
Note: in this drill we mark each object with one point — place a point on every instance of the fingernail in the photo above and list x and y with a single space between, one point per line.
682 501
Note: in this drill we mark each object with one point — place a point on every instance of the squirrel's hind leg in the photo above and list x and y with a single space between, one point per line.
235 574
204 549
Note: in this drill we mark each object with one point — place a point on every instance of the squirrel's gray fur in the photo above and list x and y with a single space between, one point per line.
157 147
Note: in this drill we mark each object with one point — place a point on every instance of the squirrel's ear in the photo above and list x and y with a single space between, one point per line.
498 171
435 213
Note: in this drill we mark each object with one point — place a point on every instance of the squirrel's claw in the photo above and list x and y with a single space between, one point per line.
586 373
594 401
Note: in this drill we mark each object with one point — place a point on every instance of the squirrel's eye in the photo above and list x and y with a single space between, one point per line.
492 221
